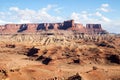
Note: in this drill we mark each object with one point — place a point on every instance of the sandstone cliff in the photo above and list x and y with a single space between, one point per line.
66 25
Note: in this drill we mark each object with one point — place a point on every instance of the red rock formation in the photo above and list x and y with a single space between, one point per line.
10 28
31 28
46 26
66 25
80 28
55 26
94 29
2 27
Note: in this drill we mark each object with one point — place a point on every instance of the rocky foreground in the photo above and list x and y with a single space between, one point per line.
59 57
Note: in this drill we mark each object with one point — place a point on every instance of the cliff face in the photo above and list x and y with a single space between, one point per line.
66 25
94 28
10 28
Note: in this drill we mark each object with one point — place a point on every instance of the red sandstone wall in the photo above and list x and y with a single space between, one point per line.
55 26
11 28
94 28
31 28
67 25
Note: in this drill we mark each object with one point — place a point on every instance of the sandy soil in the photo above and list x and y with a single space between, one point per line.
63 58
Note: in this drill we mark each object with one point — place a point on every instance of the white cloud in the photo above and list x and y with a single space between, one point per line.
104 8
47 8
58 10
2 15
105 5
24 21
83 17
86 17
98 14
105 19
18 15
84 12
13 8
102 17
75 16
2 22
113 26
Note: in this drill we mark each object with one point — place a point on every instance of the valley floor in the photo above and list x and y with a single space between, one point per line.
59 58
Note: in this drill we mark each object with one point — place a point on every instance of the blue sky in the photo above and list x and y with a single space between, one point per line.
105 12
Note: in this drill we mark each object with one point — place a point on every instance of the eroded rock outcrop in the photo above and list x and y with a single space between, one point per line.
95 29
66 25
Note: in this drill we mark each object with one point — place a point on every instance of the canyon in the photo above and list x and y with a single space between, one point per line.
58 51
